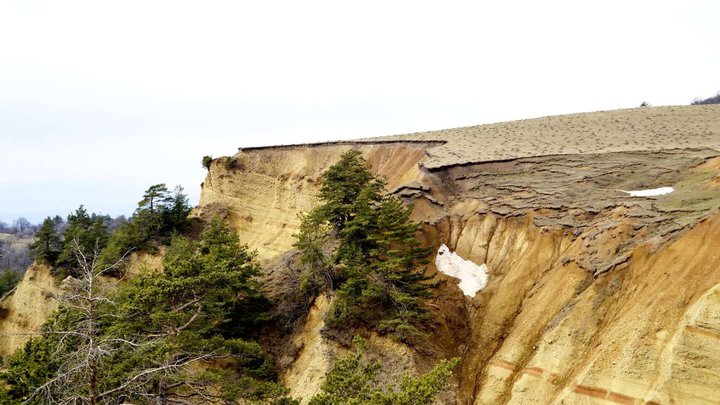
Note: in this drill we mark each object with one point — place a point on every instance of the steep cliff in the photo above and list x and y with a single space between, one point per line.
26 307
594 295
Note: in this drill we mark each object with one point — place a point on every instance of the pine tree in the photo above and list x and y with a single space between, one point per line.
342 184
202 305
149 212
353 381
394 260
88 233
378 272
175 212
47 244
164 337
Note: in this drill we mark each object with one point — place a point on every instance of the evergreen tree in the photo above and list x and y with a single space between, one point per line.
207 161
377 275
156 195
149 212
160 214
354 381
30 367
342 184
162 338
8 280
175 212
312 241
384 287
88 232
203 303
47 244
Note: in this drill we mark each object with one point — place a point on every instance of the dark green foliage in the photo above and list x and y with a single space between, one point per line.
313 240
383 287
127 237
28 368
149 334
229 163
47 244
353 381
375 268
149 214
160 215
210 278
8 280
203 303
161 212
84 232
342 184
207 161
38 360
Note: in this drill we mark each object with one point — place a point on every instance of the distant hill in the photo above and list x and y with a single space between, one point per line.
14 253
710 100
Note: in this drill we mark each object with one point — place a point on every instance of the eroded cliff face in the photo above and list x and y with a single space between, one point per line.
594 296
25 308
265 189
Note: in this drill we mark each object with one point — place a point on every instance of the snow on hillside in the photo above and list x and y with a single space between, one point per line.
473 277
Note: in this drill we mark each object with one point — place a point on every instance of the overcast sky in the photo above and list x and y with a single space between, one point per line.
100 99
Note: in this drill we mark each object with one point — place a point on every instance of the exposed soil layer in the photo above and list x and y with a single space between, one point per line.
594 296
635 129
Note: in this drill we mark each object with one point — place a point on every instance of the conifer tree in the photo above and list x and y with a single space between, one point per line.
47 244
342 184
354 381
83 231
202 305
378 275
162 338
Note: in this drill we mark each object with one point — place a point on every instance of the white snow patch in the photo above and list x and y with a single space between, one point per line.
650 192
473 278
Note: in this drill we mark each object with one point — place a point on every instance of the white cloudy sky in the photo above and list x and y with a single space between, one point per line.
100 99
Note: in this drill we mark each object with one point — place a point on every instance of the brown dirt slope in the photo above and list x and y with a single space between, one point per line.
593 296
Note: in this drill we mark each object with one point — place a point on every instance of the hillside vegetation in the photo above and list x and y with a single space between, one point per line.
306 274
192 332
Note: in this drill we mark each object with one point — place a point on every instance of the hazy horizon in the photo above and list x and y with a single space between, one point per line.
99 101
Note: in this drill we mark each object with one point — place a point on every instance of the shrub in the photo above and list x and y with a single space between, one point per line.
354 381
207 161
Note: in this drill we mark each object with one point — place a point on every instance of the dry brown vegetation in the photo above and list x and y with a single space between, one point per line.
636 129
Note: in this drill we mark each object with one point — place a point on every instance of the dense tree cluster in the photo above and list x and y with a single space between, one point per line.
139 343
374 264
20 227
710 100
160 214
186 334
